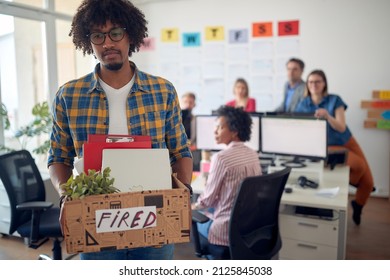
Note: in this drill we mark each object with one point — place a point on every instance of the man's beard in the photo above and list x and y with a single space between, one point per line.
114 66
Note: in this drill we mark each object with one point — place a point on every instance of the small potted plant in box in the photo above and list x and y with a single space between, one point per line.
91 183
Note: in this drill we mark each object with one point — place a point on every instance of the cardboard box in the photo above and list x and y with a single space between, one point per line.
127 225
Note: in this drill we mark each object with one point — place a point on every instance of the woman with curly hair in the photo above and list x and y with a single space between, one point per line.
228 167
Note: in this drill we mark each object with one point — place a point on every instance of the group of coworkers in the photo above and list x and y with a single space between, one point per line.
238 161
119 98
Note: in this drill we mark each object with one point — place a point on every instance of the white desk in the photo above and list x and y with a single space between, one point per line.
306 237
314 238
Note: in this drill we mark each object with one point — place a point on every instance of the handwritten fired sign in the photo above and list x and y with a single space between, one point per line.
110 220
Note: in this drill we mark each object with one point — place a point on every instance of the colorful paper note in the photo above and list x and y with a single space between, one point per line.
262 29
215 33
191 39
237 36
288 28
170 35
149 44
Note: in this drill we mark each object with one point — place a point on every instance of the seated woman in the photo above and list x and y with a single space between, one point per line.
241 97
227 168
332 108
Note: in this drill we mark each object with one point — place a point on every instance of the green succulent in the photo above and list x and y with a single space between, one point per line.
93 183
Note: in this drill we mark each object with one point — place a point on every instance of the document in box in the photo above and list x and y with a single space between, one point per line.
138 169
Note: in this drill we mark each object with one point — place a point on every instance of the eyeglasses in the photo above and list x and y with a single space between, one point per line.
315 82
116 34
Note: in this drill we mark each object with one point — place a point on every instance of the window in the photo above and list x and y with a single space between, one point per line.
32 63
67 7
34 3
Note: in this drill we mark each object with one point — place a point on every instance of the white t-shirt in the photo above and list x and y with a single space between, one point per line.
117 100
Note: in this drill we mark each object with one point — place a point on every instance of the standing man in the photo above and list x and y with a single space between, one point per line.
187 105
294 87
116 98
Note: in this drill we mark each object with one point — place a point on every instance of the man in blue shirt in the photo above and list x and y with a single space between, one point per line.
294 87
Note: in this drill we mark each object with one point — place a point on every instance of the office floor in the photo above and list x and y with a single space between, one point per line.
369 241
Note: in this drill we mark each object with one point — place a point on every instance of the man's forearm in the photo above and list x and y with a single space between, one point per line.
183 168
59 174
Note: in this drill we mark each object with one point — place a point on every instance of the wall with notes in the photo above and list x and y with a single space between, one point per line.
203 46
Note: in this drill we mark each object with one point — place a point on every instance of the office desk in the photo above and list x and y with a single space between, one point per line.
311 237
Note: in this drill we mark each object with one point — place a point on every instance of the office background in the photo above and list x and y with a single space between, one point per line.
347 39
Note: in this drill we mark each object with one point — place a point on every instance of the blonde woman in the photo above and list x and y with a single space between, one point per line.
241 97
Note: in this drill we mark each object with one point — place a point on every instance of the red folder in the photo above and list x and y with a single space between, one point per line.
93 148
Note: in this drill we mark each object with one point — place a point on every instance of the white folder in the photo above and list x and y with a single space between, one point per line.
138 169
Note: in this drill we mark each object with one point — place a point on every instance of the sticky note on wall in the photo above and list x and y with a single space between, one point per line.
191 39
170 35
262 29
215 33
288 28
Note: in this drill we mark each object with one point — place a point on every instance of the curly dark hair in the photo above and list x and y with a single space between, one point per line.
96 12
238 120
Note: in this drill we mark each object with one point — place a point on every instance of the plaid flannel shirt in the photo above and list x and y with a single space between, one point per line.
80 108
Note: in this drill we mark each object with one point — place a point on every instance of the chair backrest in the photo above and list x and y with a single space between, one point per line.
254 224
22 182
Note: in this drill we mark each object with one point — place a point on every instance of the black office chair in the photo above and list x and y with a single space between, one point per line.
31 216
254 223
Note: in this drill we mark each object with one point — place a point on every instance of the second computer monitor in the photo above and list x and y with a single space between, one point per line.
302 137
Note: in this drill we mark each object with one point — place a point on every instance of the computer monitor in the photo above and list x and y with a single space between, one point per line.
294 114
205 138
300 137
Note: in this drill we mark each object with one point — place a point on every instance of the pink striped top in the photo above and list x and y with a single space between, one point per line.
228 168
